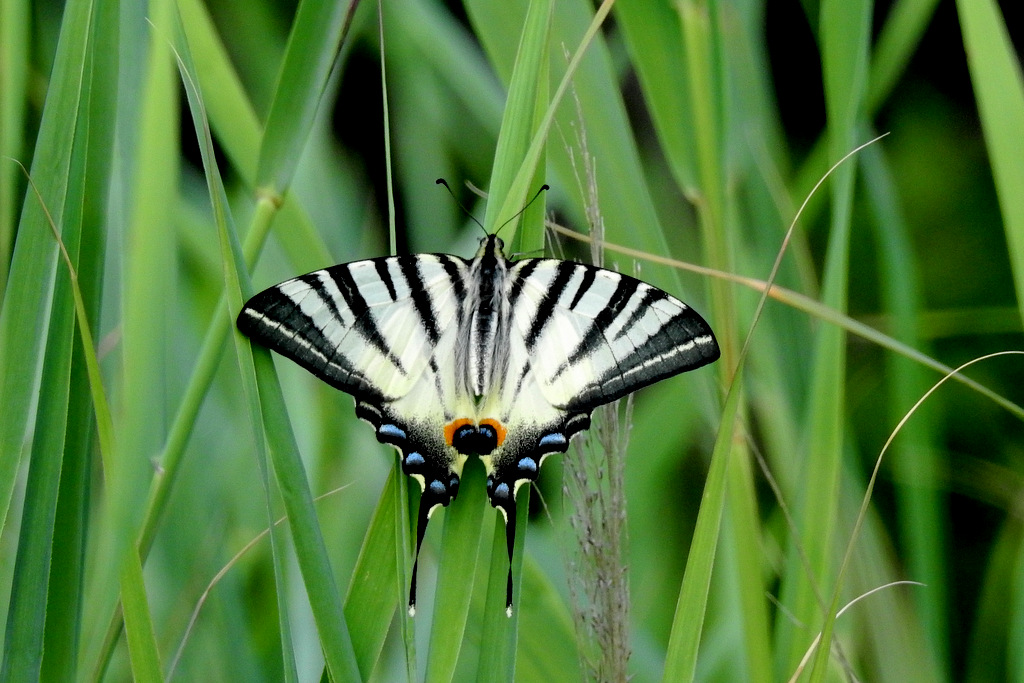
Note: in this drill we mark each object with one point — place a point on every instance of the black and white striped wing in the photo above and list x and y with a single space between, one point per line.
581 337
593 335
370 328
385 331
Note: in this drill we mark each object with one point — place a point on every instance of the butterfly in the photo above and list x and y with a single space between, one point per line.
504 360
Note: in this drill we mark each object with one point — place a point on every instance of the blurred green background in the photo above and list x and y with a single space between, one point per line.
707 124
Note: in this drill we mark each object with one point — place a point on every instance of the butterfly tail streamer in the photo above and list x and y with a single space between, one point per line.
421 530
509 511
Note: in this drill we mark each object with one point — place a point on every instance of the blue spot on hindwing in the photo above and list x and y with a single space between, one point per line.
528 464
553 440
391 431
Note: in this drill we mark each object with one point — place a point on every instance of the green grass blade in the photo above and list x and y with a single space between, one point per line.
14 73
310 550
518 126
231 257
456 574
688 623
999 91
629 214
318 30
67 571
844 36
72 191
500 633
23 645
138 624
371 599
22 318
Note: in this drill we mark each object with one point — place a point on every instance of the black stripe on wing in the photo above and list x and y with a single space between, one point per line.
563 274
420 297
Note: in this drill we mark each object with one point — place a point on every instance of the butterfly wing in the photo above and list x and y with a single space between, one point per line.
597 335
385 331
586 336
580 336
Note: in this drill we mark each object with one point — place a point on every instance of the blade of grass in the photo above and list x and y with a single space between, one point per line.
518 125
231 257
317 33
68 173
25 303
519 187
999 91
500 633
23 645
844 36
371 600
64 624
456 574
14 72
687 625
138 624
526 91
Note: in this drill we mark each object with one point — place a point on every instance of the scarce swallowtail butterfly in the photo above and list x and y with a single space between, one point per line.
449 358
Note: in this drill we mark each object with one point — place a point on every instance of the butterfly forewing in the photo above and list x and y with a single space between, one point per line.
594 335
369 328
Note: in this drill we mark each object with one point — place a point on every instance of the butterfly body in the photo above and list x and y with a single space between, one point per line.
449 358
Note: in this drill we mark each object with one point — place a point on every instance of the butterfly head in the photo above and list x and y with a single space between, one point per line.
492 245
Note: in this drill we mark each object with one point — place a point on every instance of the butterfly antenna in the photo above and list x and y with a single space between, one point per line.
543 188
442 181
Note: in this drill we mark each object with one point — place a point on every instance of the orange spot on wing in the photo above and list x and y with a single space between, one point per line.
499 428
449 429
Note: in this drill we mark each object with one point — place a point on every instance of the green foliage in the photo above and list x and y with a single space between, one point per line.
143 442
